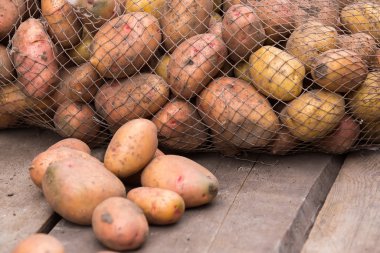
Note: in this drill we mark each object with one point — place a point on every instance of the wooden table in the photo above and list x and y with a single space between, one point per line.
265 204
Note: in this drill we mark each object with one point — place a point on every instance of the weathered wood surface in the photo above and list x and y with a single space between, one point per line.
349 221
23 208
265 204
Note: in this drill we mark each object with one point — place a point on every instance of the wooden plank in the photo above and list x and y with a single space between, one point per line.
23 208
265 205
349 221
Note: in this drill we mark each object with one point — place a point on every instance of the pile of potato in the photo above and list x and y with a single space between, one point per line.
86 191
270 75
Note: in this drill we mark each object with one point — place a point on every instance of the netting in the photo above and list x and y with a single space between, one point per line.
274 76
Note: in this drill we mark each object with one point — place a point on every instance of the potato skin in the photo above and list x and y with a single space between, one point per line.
339 70
179 126
194 63
362 17
154 7
64 24
135 38
11 13
160 206
120 224
283 143
138 97
361 43
365 101
242 31
216 29
313 115
276 73
73 144
6 67
193 182
323 11
74 119
162 67
74 187
131 148
34 58
39 243
241 71
310 40
183 19
233 109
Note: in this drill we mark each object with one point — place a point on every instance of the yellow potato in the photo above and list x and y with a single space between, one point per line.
365 101
39 243
162 67
241 71
154 7
215 18
276 73
81 53
313 115
160 206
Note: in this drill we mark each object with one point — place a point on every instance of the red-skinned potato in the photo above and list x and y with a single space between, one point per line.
73 144
11 13
361 43
39 243
283 142
160 206
119 224
196 185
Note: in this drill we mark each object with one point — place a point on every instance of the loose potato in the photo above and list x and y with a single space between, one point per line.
39 243
313 115
323 11
41 162
276 73
362 17
11 13
339 70
64 24
7 120
124 44
119 224
183 19
81 53
365 101
342 138
138 97
6 67
193 182
310 40
242 71
194 63
242 31
74 187
162 67
76 120
179 126
361 43
131 148
73 144
283 143
34 58
233 109
216 29
160 206
154 7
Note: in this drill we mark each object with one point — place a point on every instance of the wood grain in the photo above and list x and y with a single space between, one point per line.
349 221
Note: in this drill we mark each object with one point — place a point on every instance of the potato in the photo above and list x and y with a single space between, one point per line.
160 206
323 11
34 58
283 143
194 63
73 144
119 224
124 44
138 97
6 67
313 115
361 43
376 60
365 101
162 67
11 13
76 120
214 18
342 138
39 243
41 162
242 31
81 53
131 148
242 71
339 70
310 40
193 182
233 109
7 120
371 132
183 19
154 7
277 17
276 73
64 24
228 3
74 187
179 126
362 17
216 29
